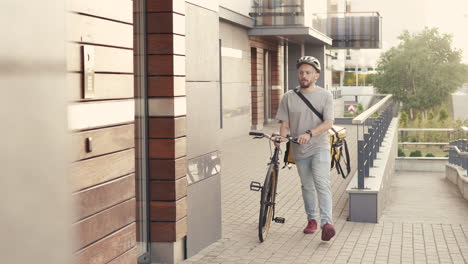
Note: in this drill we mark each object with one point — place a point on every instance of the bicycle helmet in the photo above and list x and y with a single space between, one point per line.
312 61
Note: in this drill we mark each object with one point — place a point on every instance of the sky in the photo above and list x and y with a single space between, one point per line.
450 16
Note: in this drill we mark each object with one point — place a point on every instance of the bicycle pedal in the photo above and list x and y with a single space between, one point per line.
280 220
255 186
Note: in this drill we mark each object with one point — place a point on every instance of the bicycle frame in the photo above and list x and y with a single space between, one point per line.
268 194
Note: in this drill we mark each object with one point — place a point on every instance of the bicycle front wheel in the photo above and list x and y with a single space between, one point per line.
267 202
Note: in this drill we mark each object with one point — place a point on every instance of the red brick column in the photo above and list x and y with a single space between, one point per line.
258 47
276 81
257 87
167 120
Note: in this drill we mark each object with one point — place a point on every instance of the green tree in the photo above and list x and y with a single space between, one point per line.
422 71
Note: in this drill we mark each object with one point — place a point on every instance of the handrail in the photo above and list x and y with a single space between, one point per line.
376 94
461 153
427 129
345 13
360 119
424 143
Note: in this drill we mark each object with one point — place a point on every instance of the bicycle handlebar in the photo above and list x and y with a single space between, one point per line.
262 135
257 134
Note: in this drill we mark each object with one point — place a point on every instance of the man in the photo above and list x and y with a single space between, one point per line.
312 154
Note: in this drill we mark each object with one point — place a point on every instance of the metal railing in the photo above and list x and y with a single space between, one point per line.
336 93
374 131
436 143
458 153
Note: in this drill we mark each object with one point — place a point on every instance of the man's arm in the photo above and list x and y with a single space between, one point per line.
284 128
322 128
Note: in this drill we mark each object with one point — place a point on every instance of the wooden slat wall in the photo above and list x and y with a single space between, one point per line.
103 180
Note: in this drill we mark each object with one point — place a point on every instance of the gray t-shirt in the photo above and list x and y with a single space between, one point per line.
301 118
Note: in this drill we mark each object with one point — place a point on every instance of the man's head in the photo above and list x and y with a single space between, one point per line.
308 71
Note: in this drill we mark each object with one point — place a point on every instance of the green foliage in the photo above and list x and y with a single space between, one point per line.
370 79
430 155
430 115
349 79
401 153
419 118
364 79
422 71
403 119
336 77
443 114
360 108
416 153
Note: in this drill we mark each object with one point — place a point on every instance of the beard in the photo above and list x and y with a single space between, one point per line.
305 83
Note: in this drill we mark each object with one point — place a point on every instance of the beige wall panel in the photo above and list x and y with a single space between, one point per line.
109 248
90 172
93 200
106 59
100 225
107 86
120 10
100 114
98 31
104 141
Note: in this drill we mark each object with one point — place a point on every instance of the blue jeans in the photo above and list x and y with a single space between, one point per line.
315 176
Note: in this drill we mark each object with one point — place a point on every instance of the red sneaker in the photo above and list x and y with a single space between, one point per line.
311 227
328 231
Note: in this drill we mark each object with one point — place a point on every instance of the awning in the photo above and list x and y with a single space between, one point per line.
298 34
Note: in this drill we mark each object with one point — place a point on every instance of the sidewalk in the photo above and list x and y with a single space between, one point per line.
393 240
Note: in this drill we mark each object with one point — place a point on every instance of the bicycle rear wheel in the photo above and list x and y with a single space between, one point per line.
267 201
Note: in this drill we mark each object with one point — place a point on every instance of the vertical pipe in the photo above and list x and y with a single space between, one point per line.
220 86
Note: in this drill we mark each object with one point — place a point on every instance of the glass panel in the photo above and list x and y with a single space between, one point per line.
141 159
278 12
356 30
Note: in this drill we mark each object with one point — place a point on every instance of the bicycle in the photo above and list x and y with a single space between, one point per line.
268 190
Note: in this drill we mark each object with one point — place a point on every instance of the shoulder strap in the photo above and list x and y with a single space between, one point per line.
307 102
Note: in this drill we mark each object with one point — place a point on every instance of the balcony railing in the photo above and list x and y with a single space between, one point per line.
351 30
458 153
278 12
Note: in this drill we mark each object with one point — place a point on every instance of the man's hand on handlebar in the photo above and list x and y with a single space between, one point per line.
304 138
278 139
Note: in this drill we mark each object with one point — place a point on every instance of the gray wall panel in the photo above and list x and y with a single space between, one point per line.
203 115
236 80
204 213
203 124
294 53
319 53
202 44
